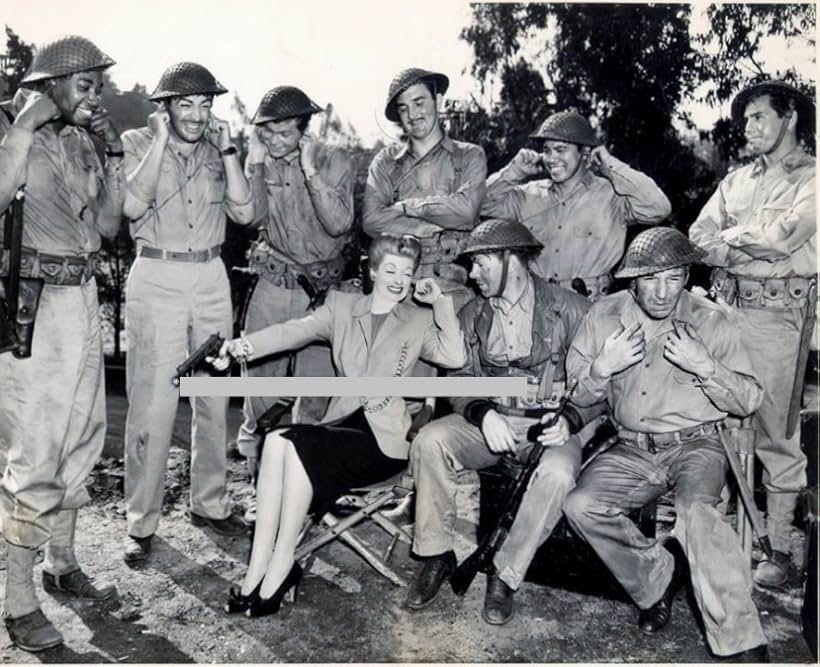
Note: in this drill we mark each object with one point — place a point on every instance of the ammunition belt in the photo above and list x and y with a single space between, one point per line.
769 293
596 285
68 270
322 274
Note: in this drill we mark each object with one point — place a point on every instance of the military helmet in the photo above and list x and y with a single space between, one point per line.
284 102
406 78
568 126
64 56
499 235
186 79
658 249
803 103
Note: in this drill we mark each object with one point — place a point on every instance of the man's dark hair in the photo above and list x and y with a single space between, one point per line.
303 123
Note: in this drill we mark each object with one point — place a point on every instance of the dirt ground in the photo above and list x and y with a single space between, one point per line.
170 610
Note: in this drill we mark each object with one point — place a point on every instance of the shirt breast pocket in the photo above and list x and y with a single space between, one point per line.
216 182
684 377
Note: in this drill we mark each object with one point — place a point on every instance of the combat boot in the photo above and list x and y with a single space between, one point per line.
430 577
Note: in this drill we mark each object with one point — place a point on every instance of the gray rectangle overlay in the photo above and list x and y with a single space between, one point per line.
421 387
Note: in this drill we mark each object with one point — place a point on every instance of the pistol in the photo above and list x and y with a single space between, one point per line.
209 348
316 296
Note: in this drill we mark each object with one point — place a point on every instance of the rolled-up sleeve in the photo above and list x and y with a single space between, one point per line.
331 191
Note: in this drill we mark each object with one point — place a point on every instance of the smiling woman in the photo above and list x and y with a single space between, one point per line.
361 440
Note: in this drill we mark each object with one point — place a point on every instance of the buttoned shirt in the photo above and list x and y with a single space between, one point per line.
762 222
654 395
188 212
444 188
306 220
66 186
510 334
583 231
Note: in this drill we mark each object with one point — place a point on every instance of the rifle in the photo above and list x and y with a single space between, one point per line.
482 556
209 348
19 297
802 359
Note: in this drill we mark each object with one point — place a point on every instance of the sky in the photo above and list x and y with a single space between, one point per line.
340 51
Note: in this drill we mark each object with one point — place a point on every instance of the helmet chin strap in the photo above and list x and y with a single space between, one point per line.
784 125
505 269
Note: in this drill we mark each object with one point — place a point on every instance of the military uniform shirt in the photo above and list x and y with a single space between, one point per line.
301 216
188 213
583 232
510 334
428 187
65 186
654 395
768 216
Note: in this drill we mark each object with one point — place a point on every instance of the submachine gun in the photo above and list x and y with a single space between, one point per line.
482 558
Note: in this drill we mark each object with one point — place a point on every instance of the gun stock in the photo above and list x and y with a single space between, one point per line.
209 348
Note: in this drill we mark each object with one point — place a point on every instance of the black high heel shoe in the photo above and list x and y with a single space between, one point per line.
266 606
238 603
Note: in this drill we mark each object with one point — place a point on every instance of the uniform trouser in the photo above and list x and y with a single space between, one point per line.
271 304
52 415
450 445
627 478
772 338
171 309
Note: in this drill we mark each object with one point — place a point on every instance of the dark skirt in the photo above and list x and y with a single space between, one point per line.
340 457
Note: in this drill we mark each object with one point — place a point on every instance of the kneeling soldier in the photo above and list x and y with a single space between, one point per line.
520 326
671 367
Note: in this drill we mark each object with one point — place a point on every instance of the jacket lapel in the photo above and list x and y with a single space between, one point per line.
361 314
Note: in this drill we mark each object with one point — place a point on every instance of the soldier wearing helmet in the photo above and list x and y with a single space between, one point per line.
671 368
430 186
579 204
184 180
72 199
304 208
760 231
521 326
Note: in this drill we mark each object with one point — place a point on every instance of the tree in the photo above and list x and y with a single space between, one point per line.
629 68
631 88
19 55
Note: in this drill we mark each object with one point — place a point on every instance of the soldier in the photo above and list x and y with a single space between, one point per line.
760 232
304 204
519 326
184 176
52 404
581 210
431 186
671 367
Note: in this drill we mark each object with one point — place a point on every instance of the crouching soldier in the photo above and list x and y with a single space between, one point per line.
52 401
519 326
671 367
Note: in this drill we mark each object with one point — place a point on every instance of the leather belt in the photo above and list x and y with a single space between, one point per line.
651 442
196 256
769 293
66 270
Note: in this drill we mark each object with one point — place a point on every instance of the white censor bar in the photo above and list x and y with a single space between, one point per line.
410 387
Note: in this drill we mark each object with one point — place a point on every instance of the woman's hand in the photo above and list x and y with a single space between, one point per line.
238 348
427 290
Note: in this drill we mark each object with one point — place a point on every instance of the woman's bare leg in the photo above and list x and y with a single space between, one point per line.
297 492
269 485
